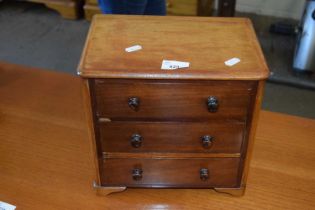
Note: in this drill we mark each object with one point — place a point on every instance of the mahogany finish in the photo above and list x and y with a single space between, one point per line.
181 173
172 137
172 100
168 155
184 128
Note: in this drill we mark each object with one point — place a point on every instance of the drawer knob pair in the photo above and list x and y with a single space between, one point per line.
207 141
136 140
212 103
137 174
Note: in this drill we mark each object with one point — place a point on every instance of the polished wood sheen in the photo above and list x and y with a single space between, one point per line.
181 173
172 137
168 155
160 99
204 42
161 118
46 161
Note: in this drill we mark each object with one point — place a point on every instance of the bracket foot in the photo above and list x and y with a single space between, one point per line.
103 191
231 191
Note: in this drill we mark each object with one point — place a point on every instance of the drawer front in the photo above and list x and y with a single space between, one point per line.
119 99
180 173
171 137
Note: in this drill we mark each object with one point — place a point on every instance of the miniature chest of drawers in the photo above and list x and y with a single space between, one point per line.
184 128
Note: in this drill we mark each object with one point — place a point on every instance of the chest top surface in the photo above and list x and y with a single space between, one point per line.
205 42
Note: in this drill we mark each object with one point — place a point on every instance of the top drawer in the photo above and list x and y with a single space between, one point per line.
170 100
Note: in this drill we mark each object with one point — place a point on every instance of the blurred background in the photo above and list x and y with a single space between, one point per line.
50 34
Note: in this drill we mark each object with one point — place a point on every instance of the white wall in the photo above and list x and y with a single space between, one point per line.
279 8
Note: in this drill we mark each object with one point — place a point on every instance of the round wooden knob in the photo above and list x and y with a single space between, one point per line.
134 103
212 104
204 174
207 141
136 140
137 174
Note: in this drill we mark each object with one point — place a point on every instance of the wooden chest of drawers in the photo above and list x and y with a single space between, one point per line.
185 128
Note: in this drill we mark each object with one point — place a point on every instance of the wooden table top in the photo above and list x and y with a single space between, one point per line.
46 163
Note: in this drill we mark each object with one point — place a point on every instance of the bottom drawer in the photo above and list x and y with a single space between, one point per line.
173 173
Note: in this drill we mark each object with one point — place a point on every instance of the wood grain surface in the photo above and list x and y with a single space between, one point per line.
203 41
157 173
162 100
46 160
172 136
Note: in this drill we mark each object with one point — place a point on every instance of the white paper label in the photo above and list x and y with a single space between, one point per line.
6 206
232 61
133 48
172 65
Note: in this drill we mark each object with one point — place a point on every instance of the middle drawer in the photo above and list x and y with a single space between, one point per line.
221 137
